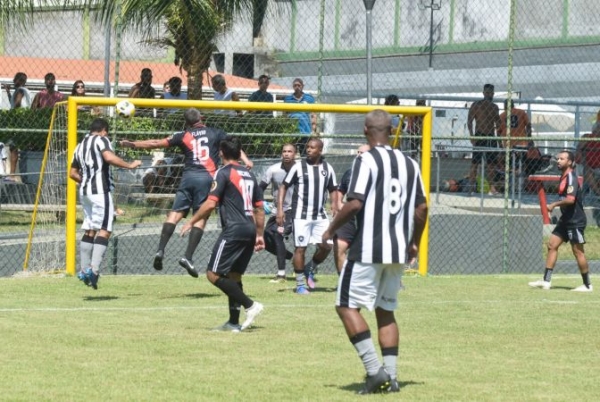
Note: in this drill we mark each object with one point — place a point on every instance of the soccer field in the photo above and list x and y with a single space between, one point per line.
467 338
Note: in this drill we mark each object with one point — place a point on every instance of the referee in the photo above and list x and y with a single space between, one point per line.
386 196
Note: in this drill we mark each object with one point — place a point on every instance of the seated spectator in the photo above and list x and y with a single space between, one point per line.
520 127
143 89
20 97
222 93
47 97
79 90
164 176
166 89
588 154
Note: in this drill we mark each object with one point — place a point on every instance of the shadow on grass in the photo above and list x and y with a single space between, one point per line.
99 298
356 386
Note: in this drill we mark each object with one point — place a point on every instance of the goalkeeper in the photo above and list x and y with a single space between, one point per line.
200 146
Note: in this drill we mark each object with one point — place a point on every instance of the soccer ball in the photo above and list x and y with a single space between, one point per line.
125 108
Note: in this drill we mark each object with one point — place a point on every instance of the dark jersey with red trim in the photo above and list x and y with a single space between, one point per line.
572 216
200 146
237 192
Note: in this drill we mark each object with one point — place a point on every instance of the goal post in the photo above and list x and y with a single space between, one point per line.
72 128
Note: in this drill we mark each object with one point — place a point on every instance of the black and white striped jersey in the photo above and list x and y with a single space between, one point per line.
390 186
311 185
96 176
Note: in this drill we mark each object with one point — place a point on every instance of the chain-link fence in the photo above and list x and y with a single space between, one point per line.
541 54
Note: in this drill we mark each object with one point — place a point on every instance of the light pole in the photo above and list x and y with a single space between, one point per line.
369 4
433 5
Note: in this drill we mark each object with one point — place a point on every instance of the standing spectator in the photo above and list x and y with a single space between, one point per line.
307 122
486 115
143 89
570 226
49 96
175 92
240 203
386 195
414 128
20 96
90 168
222 93
393 100
200 146
274 234
262 96
520 127
588 155
312 178
3 159
345 235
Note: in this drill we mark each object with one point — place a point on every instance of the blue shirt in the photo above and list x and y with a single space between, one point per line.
304 123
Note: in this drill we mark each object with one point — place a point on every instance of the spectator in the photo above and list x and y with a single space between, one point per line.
222 93
588 154
312 178
175 92
143 89
393 100
520 127
79 90
166 89
3 160
307 122
20 97
262 96
164 176
49 96
486 115
414 128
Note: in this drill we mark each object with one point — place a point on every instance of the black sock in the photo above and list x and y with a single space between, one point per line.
548 275
165 235
195 237
233 290
586 279
235 308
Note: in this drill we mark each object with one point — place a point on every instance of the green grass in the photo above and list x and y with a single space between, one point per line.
467 338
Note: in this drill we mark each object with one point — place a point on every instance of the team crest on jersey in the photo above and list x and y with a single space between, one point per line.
323 173
300 239
213 186
570 189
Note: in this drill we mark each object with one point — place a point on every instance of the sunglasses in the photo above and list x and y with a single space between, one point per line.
80 86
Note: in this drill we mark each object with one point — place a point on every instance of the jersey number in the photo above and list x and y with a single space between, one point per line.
201 150
393 196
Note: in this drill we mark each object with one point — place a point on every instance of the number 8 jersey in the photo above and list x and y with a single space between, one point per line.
389 185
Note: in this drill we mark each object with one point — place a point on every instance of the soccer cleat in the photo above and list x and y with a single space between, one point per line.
301 290
158 260
379 382
93 278
541 284
251 314
309 274
278 279
187 265
583 289
84 277
394 386
228 327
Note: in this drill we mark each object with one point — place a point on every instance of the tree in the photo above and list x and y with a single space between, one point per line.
190 27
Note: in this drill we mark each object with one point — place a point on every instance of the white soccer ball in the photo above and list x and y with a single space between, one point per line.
125 108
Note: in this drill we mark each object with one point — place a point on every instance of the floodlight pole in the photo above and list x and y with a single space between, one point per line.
369 4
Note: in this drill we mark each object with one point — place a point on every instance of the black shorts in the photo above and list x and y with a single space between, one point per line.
288 226
490 156
229 255
192 192
571 235
346 232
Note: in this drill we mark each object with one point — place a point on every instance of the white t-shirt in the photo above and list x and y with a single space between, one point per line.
3 158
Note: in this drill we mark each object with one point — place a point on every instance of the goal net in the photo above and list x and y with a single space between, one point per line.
144 196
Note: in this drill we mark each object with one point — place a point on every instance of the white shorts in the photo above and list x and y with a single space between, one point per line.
309 231
98 212
367 285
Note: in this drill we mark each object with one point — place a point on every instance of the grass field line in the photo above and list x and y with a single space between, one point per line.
285 306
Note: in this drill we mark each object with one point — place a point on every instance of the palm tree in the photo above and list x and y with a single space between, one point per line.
190 27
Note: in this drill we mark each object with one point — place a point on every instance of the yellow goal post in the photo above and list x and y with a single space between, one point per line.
73 102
